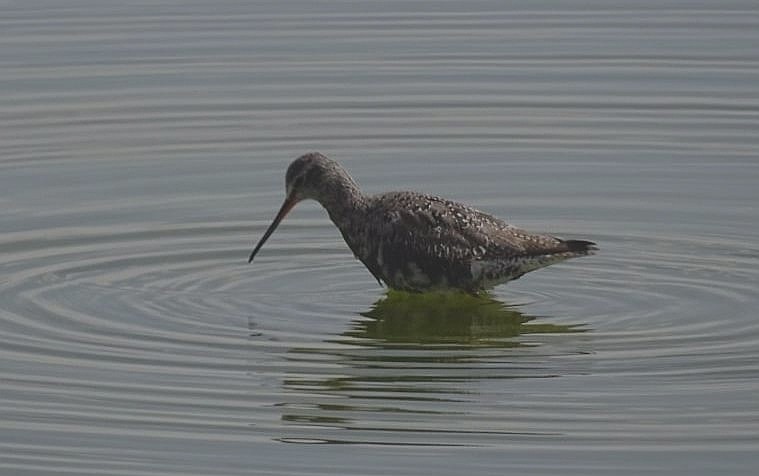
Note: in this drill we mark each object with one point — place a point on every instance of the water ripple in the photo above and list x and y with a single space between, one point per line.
156 303
143 150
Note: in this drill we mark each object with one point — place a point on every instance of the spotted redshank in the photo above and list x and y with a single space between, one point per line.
418 242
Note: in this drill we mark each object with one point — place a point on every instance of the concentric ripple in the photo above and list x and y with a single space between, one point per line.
106 313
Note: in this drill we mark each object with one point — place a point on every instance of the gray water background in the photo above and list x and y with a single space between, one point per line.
142 153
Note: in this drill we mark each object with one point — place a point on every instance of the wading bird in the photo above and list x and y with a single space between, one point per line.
417 242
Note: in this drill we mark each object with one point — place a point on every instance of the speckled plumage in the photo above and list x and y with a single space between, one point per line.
420 242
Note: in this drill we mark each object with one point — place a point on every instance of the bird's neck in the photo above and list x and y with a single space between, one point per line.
343 200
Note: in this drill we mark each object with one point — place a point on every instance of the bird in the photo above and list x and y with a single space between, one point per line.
419 242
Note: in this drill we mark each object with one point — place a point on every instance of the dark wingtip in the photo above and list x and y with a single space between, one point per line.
580 246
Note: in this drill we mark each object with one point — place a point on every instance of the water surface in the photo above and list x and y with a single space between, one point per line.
142 153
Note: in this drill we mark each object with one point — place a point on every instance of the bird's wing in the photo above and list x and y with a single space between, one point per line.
431 225
443 241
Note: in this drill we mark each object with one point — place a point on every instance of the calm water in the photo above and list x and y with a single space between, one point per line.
142 153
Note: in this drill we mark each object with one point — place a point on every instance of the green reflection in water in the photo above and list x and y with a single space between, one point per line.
417 357
456 319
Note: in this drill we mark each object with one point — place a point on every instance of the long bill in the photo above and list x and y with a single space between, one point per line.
288 204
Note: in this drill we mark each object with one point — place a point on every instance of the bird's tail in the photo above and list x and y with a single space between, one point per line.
580 246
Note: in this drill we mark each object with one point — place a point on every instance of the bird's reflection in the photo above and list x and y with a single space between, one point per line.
447 318
416 356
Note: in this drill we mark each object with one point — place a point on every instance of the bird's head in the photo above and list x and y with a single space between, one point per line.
307 175
310 176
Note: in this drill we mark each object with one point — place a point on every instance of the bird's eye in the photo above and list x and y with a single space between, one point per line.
299 181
